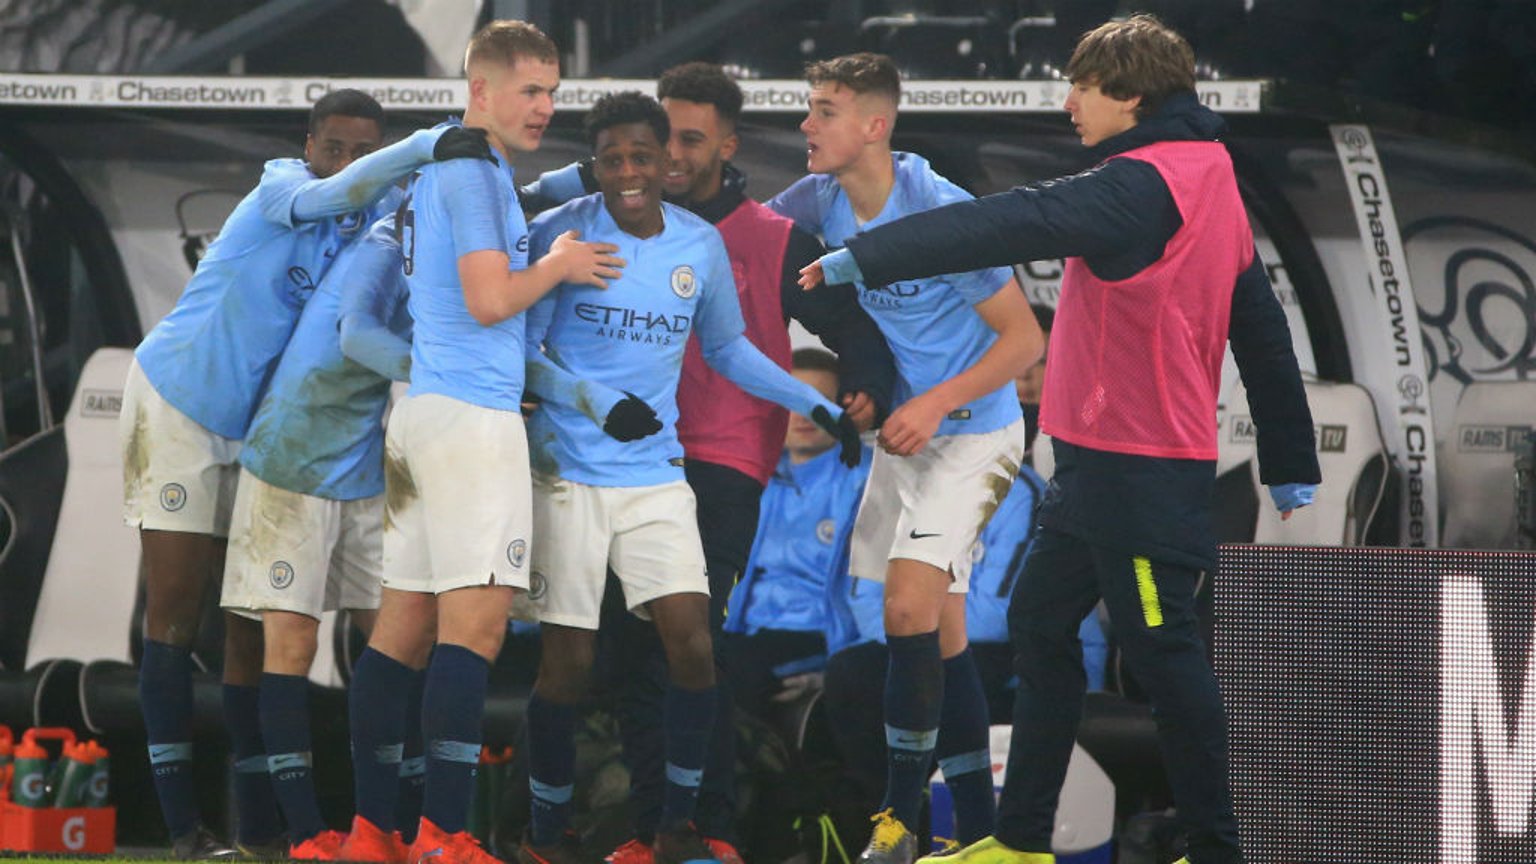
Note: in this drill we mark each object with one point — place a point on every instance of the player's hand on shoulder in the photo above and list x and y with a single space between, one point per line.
586 263
842 428
631 419
462 142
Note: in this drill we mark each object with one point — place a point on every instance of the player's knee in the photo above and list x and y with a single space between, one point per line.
691 658
485 641
909 615
565 675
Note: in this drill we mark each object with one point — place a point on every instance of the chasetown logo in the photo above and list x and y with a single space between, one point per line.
517 552
684 284
280 574
173 496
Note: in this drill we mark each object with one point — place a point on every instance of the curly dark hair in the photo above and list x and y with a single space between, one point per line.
630 106
705 83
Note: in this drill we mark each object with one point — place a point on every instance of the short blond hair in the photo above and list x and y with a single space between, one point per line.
504 42
1140 56
863 73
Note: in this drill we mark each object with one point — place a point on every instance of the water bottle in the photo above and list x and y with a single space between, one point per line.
74 777
98 793
29 777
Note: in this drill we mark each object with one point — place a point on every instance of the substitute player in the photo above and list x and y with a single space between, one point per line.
610 491
457 519
189 397
307 531
950 450
1161 266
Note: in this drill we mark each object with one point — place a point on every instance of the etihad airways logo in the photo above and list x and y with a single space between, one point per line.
635 325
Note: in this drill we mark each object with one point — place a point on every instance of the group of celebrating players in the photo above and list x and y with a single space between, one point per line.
644 312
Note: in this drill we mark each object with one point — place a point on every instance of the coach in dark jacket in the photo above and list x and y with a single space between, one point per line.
1161 272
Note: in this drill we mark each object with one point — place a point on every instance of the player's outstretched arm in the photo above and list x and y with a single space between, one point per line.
494 293
375 329
748 368
365 180
1121 204
1019 344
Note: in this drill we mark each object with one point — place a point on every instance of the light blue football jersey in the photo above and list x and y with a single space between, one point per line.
210 357
318 429
455 208
933 331
629 338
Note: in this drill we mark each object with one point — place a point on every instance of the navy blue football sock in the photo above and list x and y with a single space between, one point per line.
453 704
964 750
914 695
285 729
551 767
165 698
689 720
259 822
413 762
377 716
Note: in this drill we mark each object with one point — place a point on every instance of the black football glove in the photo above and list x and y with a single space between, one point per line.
462 142
631 419
844 431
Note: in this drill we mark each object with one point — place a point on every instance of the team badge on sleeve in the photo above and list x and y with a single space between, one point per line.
517 552
684 284
280 575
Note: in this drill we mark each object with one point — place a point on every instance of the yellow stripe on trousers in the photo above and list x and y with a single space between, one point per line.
1151 610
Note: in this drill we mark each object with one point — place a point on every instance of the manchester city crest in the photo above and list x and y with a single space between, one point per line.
826 529
517 552
684 284
173 496
280 574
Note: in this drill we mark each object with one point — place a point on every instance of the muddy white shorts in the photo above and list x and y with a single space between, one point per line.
932 507
457 508
649 535
177 476
299 553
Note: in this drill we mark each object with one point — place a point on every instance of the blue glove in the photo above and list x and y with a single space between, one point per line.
840 267
1290 496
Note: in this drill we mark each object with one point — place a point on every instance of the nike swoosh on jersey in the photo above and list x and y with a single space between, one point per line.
916 536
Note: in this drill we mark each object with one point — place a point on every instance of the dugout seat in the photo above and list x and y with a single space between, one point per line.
85 609
1356 473
1477 463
